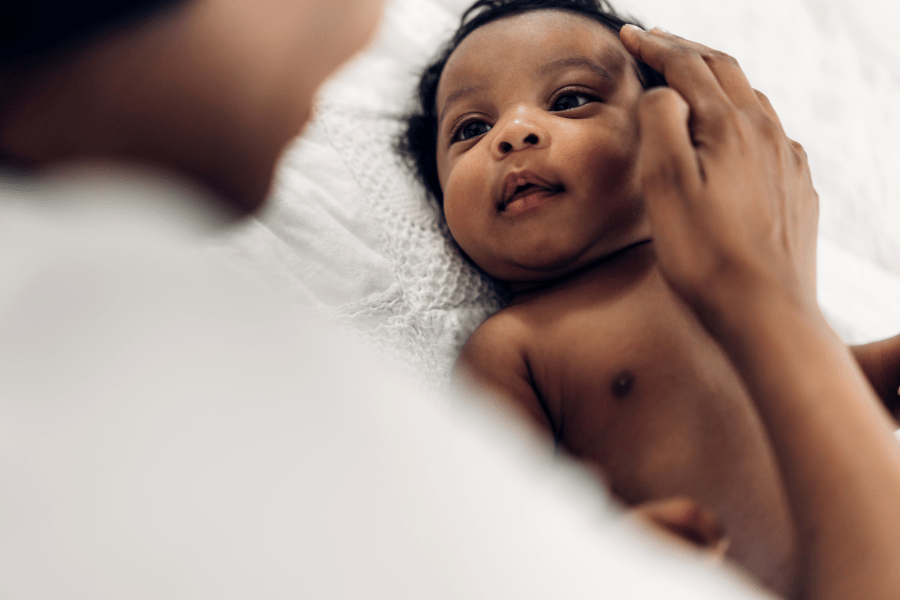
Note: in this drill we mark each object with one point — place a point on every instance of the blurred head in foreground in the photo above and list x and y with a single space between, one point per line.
213 89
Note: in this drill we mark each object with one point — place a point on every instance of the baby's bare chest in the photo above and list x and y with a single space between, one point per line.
634 381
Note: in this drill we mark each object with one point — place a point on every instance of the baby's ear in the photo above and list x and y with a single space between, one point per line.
684 522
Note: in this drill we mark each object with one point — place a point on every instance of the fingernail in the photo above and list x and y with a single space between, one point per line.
630 26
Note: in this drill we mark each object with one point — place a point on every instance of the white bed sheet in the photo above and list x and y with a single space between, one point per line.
351 234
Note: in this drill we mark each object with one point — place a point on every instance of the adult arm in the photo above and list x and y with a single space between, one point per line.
733 212
880 361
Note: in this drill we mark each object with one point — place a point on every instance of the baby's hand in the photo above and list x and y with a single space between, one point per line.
684 523
729 196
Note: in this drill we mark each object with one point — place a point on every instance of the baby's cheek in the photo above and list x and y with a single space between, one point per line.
613 164
460 201
467 183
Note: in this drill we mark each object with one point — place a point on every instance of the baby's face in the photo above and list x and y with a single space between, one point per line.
537 149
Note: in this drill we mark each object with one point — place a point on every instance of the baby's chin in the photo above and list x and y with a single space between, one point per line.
524 277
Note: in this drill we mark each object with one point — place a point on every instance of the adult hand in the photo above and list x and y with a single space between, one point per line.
729 195
734 221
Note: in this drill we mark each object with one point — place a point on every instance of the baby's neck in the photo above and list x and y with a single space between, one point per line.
615 270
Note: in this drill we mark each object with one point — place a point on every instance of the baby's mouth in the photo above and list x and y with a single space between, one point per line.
524 189
528 194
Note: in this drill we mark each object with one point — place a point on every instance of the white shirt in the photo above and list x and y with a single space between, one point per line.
170 430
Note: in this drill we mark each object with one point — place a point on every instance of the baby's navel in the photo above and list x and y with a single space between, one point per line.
622 384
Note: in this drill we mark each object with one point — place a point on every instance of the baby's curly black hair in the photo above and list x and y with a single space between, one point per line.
417 141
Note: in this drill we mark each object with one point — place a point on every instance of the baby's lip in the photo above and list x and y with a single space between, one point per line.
518 179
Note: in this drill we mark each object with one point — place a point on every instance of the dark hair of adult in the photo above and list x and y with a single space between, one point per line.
418 139
32 29
35 34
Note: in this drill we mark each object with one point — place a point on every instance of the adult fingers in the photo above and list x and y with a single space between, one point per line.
767 106
702 75
724 67
683 67
670 166
671 178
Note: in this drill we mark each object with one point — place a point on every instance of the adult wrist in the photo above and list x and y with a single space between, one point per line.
736 304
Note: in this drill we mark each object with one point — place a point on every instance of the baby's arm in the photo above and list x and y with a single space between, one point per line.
494 360
880 361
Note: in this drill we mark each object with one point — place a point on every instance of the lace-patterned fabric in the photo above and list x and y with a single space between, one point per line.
437 298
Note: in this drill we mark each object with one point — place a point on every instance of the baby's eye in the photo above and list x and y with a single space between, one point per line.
570 101
470 130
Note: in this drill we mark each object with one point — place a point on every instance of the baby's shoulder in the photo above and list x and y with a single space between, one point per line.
505 331
495 359
499 345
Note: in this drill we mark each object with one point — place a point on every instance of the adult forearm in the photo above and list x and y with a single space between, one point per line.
733 210
840 463
880 361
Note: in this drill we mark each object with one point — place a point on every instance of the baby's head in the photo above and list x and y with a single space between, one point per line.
527 133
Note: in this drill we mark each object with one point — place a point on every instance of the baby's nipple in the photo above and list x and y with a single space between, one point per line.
622 384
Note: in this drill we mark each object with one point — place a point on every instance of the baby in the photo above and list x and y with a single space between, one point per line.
528 136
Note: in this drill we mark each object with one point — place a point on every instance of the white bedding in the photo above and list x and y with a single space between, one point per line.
351 234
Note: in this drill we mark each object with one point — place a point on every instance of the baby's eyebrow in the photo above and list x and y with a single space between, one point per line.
457 95
574 61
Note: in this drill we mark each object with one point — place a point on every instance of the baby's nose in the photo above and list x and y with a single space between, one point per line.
530 139
520 134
